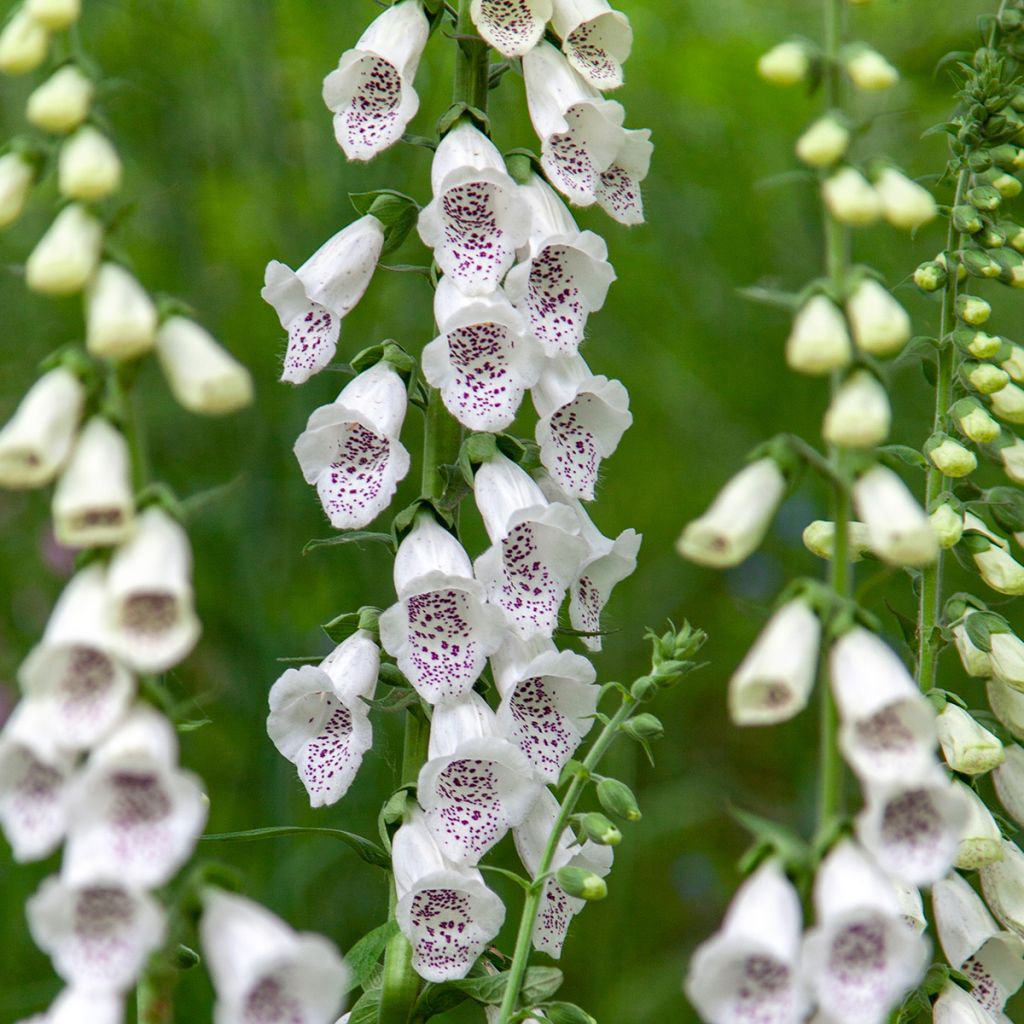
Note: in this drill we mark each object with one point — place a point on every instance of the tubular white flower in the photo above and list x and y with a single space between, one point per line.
1006 659
819 341
24 43
1000 570
1007 705
62 102
351 450
440 631
1002 883
512 27
371 92
54 14
262 970
824 142
975 661
850 197
967 746
483 360
1008 403
859 414
880 325
66 257
749 969
93 503
955 1006
36 441
596 40
774 680
898 528
16 178
476 785
477 219
869 70
905 204
618 192
980 837
74 1006
88 166
318 720
1009 782
120 318
784 64
737 520
202 375
819 538
312 301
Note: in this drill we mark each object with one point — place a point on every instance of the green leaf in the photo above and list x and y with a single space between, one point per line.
366 850
395 700
366 1008
193 724
772 838
363 956
523 883
540 983
349 537
770 297
893 453
395 210
342 627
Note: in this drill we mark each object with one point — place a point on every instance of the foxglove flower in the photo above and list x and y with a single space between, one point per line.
55 14
264 971
371 92
818 341
1006 659
536 551
476 785
1007 705
975 661
312 301
351 450
880 325
477 219
62 102
445 911
88 167
440 631
595 39
911 905
564 277
24 43
955 1006
1009 782
67 256
980 837
36 441
859 414
483 360
17 175
548 701
898 528
75 1006
582 418
512 27
967 746
999 569
318 720
93 503
749 970
1002 882
120 318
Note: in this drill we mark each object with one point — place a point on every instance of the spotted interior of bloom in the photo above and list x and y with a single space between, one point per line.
483 395
619 195
352 488
553 919
328 758
86 691
588 603
102 929
149 613
995 956
912 830
312 342
370 118
445 658
271 1000
571 452
857 969
98 517
543 733
31 803
887 741
446 940
469 811
530 594
475 247
555 307
587 49
510 25
570 166
758 990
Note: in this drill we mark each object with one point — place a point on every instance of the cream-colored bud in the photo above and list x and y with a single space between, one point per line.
967 746
823 143
850 198
1008 404
979 426
54 14
898 528
976 662
973 310
24 43
1014 364
88 166
870 71
988 379
62 102
66 257
948 525
818 342
1007 185
859 415
1007 659
16 178
998 568
930 277
951 458
785 64
981 840
819 538
1009 783
121 319
1007 705
984 346
1013 460
880 325
905 204
961 270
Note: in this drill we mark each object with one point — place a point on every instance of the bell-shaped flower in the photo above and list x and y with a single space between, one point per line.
1012 456
737 520
1009 782
974 944
880 325
898 528
133 814
55 14
1002 883
564 276
483 360
536 551
318 719
24 43
860 958
905 204
16 178
99 933
312 301
93 503
440 631
66 257
618 192
445 911
371 91
476 785
967 746
582 418
775 679
77 1006
859 414
351 450
88 167
548 701
998 568
1006 659
749 969
513 29
596 40
850 197
36 441
785 63
202 375
153 624
262 970
980 838
62 102
824 142
975 661
1008 403
818 342
120 318
477 218
1007 705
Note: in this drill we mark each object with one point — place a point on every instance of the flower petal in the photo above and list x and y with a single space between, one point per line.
512 27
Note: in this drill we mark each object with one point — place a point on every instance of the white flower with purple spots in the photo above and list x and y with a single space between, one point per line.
749 969
444 910
262 970
564 276
1002 882
312 301
371 91
955 1006
318 719
596 40
475 785
582 418
351 450
483 360
512 27
440 631
477 218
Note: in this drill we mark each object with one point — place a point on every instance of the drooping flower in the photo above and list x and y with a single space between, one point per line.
1002 882
120 317
1009 782
905 204
16 178
880 325
512 27
88 167
967 746
850 197
596 40
824 142
897 525
312 301
318 720
955 1006
62 102
1007 705
980 837
859 414
67 256
869 70
1006 658
819 341
24 43
785 64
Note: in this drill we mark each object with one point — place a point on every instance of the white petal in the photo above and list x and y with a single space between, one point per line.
1002 882
501 490
967 746
414 853
142 733
429 548
512 27
618 192
955 1006
980 837
121 318
595 39
79 1006
898 529
1007 705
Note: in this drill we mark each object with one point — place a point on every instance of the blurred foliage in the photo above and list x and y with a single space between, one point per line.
231 162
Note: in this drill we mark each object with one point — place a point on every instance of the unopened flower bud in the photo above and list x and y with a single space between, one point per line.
984 197
977 343
976 662
600 829
869 70
1007 658
1009 782
1008 404
823 143
980 840
905 204
880 325
818 342
54 14
961 270
819 538
88 166
930 276
949 456
972 309
16 177
582 883
62 102
121 319
979 263
643 727
966 219
1013 233
850 198
23 44
948 525
1012 456
967 746
1013 363
998 568
785 64
898 528
65 258
990 238
859 415
975 422
618 800
1004 183
1007 705
645 688
985 378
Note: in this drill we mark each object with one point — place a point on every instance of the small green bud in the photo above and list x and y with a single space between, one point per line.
979 263
961 270
1007 185
1013 364
979 160
643 727
1011 266
1010 20
948 525
185 958
1014 234
977 343
984 197
972 310
582 883
1007 157
644 689
600 829
618 800
990 238
985 378
949 456
930 276
966 219
975 422
566 1013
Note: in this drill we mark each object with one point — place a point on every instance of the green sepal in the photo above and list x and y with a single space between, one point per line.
772 839
981 626
396 211
387 351
366 1008
894 454
566 1013
1007 507
343 626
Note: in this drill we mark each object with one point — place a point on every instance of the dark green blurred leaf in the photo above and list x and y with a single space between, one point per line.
368 851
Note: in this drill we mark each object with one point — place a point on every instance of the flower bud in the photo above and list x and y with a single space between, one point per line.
62 102
54 14
65 258
977 343
823 143
869 70
850 198
818 342
984 197
905 204
1013 364
930 276
1007 659
880 325
972 309
985 378
643 727
980 841
564 1013
1008 404
950 457
948 525
645 688
1014 234
999 570
961 270
581 883
819 538
966 219
859 414
1012 456
16 178
1004 183
88 166
990 238
975 661
967 746
1009 782
1007 705
975 422
23 44
121 319
785 64
618 800
898 529
1011 266
600 829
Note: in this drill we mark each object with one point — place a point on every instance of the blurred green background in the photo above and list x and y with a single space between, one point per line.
231 162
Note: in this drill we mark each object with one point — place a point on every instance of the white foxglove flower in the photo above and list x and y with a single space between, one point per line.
1009 782
749 969
1000 570
1007 705
440 631
318 720
860 959
548 701
775 679
371 92
850 197
62 102
1012 456
67 256
905 204
483 360
16 177
967 746
869 70
153 624
819 538
859 414
825 142
898 528
24 43
444 910
476 785
975 661
262 970
1006 659
980 838
351 450
54 14
880 325
76 1006
564 277
513 29
596 40
202 375
99 933
36 441
737 520
819 341
120 317
618 193
312 301
72 672
784 64
1002 883
88 166
536 551
955 1006
93 503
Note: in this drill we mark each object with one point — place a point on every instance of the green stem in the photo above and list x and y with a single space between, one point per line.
153 995
441 444
472 68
